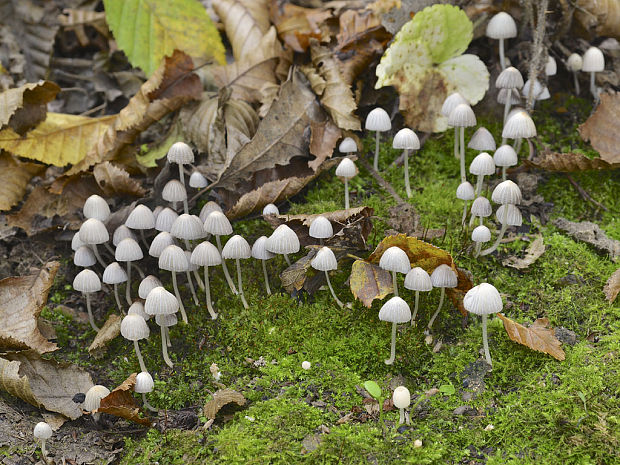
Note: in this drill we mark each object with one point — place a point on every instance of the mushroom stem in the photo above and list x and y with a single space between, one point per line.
146 244
191 287
117 298
346 194
340 304
288 260
226 273
463 176
208 294
517 144
502 231
593 86
402 416
168 341
109 248
245 304
441 297
477 249
506 109
456 142
576 80
502 57
266 277
164 347
139 355
464 213
128 284
503 173
485 340
479 184
406 167
395 283
147 405
97 256
375 164
91 319
181 178
43 451
415 307
390 360
176 292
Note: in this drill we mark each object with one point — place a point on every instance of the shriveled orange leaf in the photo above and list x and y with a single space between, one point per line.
121 403
612 287
14 177
116 181
296 25
221 398
108 332
537 337
602 128
567 162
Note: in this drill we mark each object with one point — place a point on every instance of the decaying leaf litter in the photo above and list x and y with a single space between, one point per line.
265 130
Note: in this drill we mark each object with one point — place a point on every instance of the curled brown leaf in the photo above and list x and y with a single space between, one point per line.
537 337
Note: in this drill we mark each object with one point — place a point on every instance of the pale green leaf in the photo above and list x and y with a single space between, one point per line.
373 389
467 75
149 158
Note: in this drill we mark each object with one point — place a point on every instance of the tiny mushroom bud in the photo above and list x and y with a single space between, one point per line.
346 169
270 209
574 65
114 274
417 280
325 261
483 300
406 140
394 311
283 241
379 121
92 401
43 432
465 192
197 180
593 62
402 400
321 228
501 27
87 282
96 207
395 259
505 156
182 154
306 365
134 328
218 224
462 116
347 145
144 385
480 235
237 248
443 276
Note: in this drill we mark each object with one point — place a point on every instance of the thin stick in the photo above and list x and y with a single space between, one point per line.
288 260
139 354
390 360
382 182
329 284
432 320
208 294
226 273
245 304
164 347
266 277
176 292
128 284
91 319
584 194
346 193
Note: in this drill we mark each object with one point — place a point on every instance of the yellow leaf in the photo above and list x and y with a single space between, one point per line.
14 177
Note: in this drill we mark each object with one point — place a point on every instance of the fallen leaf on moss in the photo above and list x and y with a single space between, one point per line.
568 162
121 403
221 398
108 332
295 277
537 337
533 253
114 180
369 282
602 128
323 138
612 287
14 178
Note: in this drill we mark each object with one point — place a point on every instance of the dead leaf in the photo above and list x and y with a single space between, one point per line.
108 332
75 20
245 22
537 337
121 403
591 233
612 287
296 25
369 282
14 178
571 161
533 253
221 398
44 383
21 300
25 106
323 139
116 181
602 128
599 17
296 277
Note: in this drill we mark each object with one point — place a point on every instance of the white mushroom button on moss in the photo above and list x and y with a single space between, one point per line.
395 259
394 311
483 300
480 235
283 241
325 261
593 62
115 275
270 209
218 224
42 431
346 169
465 192
505 156
443 276
306 365
144 385
417 280
128 250
378 121
402 399
237 248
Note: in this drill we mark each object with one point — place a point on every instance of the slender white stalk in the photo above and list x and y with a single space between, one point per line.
146 244
201 285
191 287
485 340
477 249
462 142
226 273
464 213
91 319
147 405
456 142
128 284
479 184
415 308
340 304
390 360
208 294
178 295
168 341
576 80
266 277
432 320
118 300
164 347
376 161
502 57
406 167
507 108
43 451
346 193
245 304
500 236
139 355
593 86
182 179
97 256
288 260
402 416
504 173
395 283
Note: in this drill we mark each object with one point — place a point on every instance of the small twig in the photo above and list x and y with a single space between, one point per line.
381 181
95 110
584 194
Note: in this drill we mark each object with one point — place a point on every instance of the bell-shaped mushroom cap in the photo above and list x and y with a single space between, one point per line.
114 274
156 211
502 26
505 155
128 250
465 191
481 207
94 396
87 281
444 276
321 228
513 215
161 302
217 224
206 254
509 78
191 266
593 60
346 168
96 207
93 231
551 67
144 383
149 283
174 191
283 241
506 192
207 208
180 153
270 209
137 308
378 120
42 431
451 102
236 248
197 180
481 234
84 256
76 242
159 243
462 116
166 219
166 320
324 260
395 259
418 280
173 258
401 397
259 249
406 139
347 145
519 125
539 90
504 94
483 299
120 233
482 140
483 164
187 227
574 62
395 310
140 217
134 328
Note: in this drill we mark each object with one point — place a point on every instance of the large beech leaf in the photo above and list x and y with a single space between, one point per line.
149 30
29 98
602 128
245 22
537 337
14 178
121 403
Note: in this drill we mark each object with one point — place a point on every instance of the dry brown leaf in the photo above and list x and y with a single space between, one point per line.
44 383
612 287
591 233
245 22
108 332
75 20
323 139
116 181
221 398
553 161
300 275
533 253
14 177
599 17
537 337
296 25
121 403
369 282
27 104
21 300
602 128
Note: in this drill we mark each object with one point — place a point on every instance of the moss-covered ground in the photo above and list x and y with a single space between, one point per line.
533 408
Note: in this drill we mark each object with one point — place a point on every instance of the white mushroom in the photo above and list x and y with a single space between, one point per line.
394 311
379 121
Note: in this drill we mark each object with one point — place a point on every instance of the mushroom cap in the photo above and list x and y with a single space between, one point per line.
137 308
395 310
321 228
206 254
551 67
187 227
166 320
207 208
156 211
114 274
462 116
593 60
501 26
346 168
347 145
324 260
144 383
174 191
259 249
93 231
94 396
161 302
149 283
160 242
519 125
401 397
283 241
444 276
513 94
418 280
481 207
134 328
76 242
236 248
574 62
406 139
482 165
509 78
140 217
306 365
395 259
483 299
505 155
217 224
539 90
270 209
513 215
87 281
128 250
180 153
120 233
42 431
84 256
197 180
166 219
481 234
173 258
482 140
465 191
378 120
451 102
506 192
96 207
